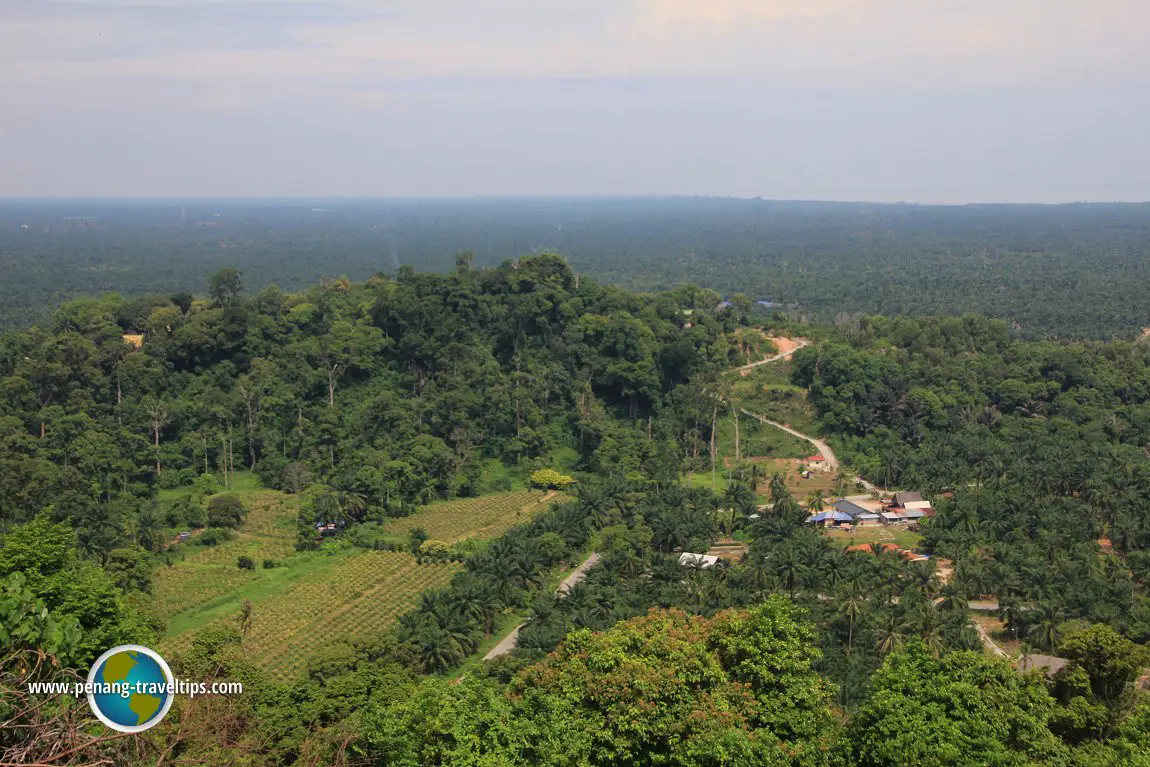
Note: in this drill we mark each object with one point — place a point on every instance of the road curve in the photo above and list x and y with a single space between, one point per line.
776 358
823 448
509 642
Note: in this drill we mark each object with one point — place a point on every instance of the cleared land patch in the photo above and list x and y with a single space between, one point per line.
861 536
318 598
200 574
487 517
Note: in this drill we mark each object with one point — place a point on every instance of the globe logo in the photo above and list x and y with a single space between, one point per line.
130 688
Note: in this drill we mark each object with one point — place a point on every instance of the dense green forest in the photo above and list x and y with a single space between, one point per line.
124 420
1067 271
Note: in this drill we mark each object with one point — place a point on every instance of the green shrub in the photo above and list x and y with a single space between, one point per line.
245 563
434 549
415 539
225 510
214 536
169 480
205 484
550 479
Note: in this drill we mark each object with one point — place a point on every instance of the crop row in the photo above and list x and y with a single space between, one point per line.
360 596
485 517
371 614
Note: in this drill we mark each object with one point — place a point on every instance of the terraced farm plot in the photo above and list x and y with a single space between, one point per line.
209 572
320 598
359 595
486 517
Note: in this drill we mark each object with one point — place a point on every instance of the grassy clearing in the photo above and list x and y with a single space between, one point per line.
756 440
202 574
496 472
767 390
242 482
861 536
317 598
789 467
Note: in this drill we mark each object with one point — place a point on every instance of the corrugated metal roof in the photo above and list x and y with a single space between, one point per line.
849 507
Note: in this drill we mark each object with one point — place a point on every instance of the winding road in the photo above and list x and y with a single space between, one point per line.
824 449
833 464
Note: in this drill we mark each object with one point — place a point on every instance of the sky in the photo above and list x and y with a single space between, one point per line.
933 101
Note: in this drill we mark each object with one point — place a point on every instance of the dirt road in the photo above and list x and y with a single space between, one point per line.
823 448
788 350
990 643
509 642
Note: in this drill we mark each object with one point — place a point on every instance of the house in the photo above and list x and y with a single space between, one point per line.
914 514
816 461
829 518
851 508
687 559
902 499
868 519
892 517
1050 664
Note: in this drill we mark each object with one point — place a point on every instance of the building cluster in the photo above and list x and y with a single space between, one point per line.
902 509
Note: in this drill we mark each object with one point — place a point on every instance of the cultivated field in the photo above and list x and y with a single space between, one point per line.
320 597
200 574
486 517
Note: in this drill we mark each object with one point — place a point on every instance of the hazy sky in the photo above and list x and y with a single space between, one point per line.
922 100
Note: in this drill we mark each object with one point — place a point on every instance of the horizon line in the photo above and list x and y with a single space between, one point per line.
165 198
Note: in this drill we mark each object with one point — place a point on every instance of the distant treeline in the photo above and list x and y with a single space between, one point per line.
1072 270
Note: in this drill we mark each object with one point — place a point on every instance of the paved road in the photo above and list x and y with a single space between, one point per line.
577 575
509 642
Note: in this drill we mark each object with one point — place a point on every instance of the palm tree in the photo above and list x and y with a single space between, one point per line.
930 628
778 487
739 495
1043 625
953 598
149 529
890 634
815 502
597 502
841 481
851 603
1026 649
789 568
351 504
